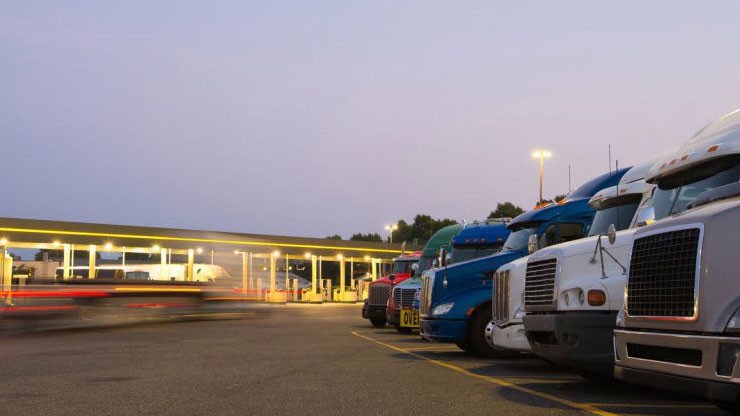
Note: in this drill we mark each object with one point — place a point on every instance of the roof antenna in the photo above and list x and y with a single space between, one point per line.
610 159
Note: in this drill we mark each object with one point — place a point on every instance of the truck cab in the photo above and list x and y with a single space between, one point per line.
379 291
568 220
570 315
478 239
456 299
680 326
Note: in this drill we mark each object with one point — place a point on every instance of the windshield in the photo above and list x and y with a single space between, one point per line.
468 252
672 197
618 211
518 239
425 263
403 266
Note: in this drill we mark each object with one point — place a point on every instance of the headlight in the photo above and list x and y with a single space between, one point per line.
519 314
417 295
443 308
733 325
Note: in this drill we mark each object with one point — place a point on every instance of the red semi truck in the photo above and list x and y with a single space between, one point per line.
379 291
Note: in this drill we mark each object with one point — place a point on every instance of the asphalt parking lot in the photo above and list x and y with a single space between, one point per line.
295 359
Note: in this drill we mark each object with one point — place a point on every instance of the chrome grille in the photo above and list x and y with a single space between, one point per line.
378 294
662 276
403 298
539 285
427 283
501 297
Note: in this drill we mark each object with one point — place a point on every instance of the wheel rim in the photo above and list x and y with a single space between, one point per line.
488 334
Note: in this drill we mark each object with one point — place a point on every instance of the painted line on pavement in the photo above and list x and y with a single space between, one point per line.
497 381
436 348
655 405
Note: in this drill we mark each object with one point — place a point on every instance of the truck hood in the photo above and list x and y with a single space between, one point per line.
466 275
400 277
410 283
579 270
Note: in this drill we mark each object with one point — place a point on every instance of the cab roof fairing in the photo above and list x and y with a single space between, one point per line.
481 234
440 238
633 188
582 194
416 255
719 138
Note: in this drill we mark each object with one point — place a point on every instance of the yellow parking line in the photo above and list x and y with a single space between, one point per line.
502 383
435 348
656 405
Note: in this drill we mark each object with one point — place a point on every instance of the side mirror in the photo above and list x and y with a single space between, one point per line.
646 216
448 258
612 234
392 277
532 244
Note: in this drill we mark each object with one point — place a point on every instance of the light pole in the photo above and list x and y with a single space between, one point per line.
541 155
391 228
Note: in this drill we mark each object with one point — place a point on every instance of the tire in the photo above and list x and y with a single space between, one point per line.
403 329
476 337
598 378
732 408
378 321
463 346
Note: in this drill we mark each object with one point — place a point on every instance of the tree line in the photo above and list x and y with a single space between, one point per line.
423 226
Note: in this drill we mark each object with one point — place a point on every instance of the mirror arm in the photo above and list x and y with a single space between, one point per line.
601 249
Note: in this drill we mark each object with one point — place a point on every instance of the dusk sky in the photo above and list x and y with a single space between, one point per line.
319 117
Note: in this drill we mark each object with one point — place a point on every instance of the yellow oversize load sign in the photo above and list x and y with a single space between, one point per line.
409 318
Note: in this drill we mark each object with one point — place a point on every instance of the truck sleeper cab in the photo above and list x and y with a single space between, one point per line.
456 300
374 307
553 224
477 239
569 321
680 327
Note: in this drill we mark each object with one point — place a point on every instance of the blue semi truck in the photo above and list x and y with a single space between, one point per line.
455 300
478 239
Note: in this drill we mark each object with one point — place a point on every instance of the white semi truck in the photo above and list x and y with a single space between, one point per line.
680 326
571 311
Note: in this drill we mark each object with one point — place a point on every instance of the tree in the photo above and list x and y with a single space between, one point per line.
334 237
423 227
505 210
373 237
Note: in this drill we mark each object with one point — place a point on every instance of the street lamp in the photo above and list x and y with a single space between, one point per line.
391 228
541 155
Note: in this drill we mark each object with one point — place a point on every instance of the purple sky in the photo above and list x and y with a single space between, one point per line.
310 118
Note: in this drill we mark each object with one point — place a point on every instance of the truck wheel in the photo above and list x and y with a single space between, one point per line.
598 378
732 408
403 329
477 336
378 321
